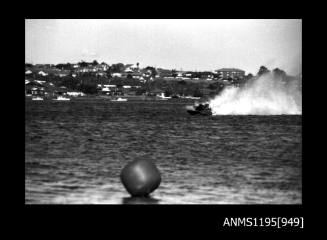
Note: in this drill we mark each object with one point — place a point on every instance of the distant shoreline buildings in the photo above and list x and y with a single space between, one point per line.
78 79
127 70
226 73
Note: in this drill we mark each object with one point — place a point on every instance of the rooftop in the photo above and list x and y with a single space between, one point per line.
230 70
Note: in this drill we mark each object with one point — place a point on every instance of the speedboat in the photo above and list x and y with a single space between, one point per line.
201 109
61 98
37 99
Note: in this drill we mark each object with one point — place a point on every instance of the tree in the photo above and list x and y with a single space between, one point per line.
64 66
89 88
249 76
279 73
263 70
197 93
95 63
153 71
60 66
182 82
117 68
168 92
119 85
70 83
173 73
213 86
140 91
196 75
83 64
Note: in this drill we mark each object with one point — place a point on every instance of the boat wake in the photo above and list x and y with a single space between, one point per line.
266 95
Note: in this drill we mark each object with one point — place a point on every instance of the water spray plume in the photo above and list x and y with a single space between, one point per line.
266 95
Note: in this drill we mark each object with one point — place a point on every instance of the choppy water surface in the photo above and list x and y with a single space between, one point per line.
74 152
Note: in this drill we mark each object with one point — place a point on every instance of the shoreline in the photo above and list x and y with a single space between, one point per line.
128 97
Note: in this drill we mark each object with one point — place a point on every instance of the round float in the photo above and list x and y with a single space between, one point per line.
140 178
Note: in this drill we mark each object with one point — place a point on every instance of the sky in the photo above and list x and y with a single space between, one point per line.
182 44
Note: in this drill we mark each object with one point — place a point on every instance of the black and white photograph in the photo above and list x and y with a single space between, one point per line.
163 111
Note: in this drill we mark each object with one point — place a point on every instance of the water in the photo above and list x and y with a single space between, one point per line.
74 152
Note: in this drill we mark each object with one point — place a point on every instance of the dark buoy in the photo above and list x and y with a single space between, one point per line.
140 178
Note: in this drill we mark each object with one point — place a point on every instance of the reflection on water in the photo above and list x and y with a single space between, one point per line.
74 152
140 200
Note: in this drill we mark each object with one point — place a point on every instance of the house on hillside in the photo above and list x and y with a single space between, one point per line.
165 73
206 75
223 83
230 73
142 80
86 69
39 83
136 67
101 74
110 86
180 75
128 68
155 92
35 83
38 91
102 67
34 88
63 74
126 89
42 73
132 68
61 91
135 75
107 88
57 72
75 94
116 75
131 71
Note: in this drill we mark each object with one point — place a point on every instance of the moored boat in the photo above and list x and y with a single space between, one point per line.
162 97
119 100
37 98
61 98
